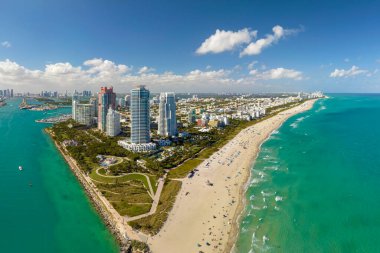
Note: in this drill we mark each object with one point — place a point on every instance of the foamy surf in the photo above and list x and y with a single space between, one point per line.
278 198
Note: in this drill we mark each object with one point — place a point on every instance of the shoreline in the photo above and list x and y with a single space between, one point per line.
107 218
123 233
201 227
243 201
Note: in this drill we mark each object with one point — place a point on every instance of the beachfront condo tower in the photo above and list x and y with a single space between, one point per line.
167 122
74 102
140 115
106 99
113 123
83 113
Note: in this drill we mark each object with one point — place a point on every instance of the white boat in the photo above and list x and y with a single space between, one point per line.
20 167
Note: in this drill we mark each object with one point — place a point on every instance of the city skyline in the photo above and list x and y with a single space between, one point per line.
189 126
245 47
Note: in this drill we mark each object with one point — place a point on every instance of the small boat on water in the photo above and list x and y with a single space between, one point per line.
20 167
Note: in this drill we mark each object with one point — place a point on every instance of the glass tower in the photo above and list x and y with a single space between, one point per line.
140 115
167 122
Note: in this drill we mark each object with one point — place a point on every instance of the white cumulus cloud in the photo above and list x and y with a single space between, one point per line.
145 70
102 67
256 47
222 41
353 71
93 73
10 70
277 73
61 69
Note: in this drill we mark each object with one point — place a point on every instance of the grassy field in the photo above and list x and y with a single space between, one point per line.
184 169
153 223
122 179
130 198
207 152
128 194
153 182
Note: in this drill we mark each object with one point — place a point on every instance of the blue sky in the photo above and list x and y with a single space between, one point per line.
322 45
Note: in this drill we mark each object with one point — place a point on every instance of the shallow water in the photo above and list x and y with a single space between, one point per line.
315 186
53 214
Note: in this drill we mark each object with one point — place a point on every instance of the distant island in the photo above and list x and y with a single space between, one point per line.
47 104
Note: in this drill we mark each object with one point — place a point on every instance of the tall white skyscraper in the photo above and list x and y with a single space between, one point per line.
140 115
140 122
167 121
74 101
112 122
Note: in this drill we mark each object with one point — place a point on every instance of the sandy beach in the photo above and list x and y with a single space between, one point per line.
207 209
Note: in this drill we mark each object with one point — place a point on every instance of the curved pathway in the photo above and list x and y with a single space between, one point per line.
156 199
150 190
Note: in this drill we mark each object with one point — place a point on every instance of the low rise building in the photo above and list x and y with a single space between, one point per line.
137 147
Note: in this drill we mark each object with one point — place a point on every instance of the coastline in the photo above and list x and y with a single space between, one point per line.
193 222
243 200
109 220
181 216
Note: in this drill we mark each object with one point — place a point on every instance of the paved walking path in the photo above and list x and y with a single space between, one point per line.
150 190
156 200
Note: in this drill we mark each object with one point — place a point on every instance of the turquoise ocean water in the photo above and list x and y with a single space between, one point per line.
316 184
54 214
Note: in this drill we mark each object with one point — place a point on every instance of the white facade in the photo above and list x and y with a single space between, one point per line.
142 147
83 113
75 101
113 123
167 121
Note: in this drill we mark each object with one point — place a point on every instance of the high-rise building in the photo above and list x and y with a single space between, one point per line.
113 122
140 115
191 117
74 101
127 99
120 102
107 99
83 113
86 93
167 121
